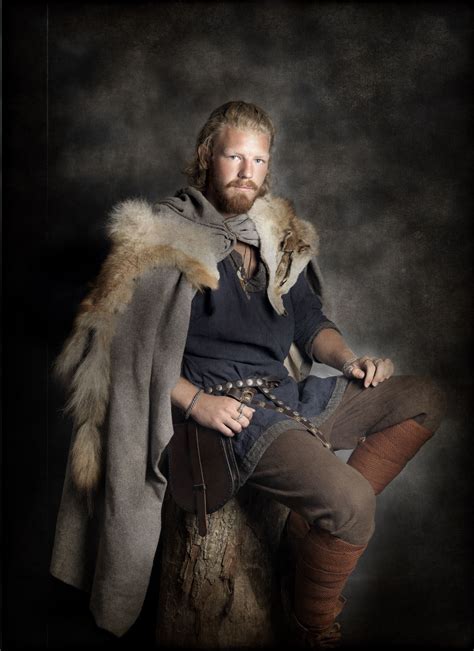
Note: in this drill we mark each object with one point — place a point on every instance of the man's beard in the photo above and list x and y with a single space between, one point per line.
237 202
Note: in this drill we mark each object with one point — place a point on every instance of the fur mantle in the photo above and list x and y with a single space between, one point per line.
145 238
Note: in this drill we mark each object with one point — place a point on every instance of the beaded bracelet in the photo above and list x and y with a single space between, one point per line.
192 403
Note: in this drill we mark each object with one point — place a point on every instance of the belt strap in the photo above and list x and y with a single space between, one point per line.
245 390
268 381
199 483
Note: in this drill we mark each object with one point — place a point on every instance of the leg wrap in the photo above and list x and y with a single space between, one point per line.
323 566
384 454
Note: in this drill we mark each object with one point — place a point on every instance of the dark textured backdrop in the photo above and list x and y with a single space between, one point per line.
371 107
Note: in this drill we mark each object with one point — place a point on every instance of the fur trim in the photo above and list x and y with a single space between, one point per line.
142 240
287 244
134 224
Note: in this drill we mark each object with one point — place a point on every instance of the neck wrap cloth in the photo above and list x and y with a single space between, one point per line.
244 229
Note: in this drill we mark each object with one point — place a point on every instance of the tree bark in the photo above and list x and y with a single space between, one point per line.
223 590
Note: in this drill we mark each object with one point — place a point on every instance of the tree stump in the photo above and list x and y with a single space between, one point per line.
223 590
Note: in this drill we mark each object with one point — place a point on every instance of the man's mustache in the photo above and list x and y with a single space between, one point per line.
237 184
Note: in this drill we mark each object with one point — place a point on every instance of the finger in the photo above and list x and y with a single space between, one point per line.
233 424
240 415
237 414
369 371
380 373
244 421
353 370
357 372
384 371
390 367
246 412
225 430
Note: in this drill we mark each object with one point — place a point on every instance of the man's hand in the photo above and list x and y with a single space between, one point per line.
223 413
330 348
373 369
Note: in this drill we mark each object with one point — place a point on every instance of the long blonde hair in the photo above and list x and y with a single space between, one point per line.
242 115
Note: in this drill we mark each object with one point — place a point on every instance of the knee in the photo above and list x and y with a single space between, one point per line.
354 510
432 402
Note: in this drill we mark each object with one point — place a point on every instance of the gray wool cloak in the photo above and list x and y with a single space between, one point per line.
120 364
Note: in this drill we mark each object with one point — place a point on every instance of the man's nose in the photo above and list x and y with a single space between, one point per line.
246 169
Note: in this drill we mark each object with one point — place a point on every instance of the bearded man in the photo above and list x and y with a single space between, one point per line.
218 288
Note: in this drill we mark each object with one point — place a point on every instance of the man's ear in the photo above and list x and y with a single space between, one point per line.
203 155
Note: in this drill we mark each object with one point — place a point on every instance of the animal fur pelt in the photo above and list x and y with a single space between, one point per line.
145 237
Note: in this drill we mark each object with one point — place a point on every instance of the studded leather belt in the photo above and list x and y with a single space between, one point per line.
245 390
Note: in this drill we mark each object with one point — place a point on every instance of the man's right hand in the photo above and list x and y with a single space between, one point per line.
222 413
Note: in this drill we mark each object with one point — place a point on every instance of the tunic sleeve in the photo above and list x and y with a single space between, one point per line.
308 315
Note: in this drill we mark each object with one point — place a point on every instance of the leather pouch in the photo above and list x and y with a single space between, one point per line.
202 470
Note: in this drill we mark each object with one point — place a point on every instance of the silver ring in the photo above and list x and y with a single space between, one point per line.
241 410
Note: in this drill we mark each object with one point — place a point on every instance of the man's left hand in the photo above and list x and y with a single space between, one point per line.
373 369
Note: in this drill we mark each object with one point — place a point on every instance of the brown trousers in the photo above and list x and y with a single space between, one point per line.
298 471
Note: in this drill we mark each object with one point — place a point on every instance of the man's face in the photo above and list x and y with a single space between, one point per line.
237 170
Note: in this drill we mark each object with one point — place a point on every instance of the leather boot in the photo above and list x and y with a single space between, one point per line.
381 456
324 563
305 638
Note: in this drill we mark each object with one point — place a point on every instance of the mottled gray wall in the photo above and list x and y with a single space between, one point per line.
371 107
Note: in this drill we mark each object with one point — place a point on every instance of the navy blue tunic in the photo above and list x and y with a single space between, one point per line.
234 336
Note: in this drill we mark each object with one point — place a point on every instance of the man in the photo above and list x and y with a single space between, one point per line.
219 288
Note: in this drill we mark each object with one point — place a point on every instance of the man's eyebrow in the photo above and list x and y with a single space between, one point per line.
227 150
